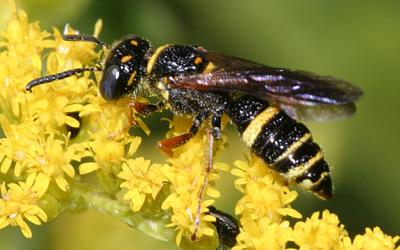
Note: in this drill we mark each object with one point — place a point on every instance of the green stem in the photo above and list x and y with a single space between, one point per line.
150 222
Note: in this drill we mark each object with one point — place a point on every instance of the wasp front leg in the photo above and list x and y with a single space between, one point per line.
146 108
141 108
167 145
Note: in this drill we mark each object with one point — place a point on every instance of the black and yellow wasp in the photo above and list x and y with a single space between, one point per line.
261 101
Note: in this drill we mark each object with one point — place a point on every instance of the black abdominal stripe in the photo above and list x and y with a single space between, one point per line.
284 144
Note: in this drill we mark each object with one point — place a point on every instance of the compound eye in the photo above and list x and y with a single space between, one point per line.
112 83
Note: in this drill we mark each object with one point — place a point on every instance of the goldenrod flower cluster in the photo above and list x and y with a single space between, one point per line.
54 140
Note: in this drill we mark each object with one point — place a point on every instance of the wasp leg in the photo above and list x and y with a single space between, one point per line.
146 108
216 125
141 108
209 168
167 145
227 227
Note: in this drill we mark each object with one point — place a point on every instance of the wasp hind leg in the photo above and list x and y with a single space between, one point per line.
208 170
212 134
227 228
167 145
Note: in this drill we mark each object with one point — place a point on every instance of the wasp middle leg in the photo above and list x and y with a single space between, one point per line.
167 145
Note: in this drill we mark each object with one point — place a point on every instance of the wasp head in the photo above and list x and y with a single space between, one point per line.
124 67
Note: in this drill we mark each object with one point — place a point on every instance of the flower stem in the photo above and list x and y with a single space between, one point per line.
152 224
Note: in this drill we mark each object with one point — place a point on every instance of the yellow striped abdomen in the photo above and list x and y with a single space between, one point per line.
283 143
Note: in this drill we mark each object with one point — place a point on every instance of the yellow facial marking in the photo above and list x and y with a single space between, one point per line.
198 60
132 78
134 43
292 148
254 128
154 57
126 59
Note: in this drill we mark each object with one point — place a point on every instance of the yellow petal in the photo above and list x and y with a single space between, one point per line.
97 27
62 183
88 167
72 122
69 170
3 222
41 184
238 172
212 192
207 231
5 165
73 108
33 219
15 106
134 145
26 231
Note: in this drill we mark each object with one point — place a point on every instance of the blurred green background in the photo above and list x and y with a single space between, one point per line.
356 40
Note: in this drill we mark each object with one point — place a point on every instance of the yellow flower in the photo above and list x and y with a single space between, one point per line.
141 178
186 173
23 42
52 157
14 147
266 200
263 235
184 209
109 153
20 202
67 52
36 153
266 196
319 233
39 155
54 104
372 239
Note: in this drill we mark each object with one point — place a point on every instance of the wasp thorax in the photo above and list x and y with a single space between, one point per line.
171 60
124 67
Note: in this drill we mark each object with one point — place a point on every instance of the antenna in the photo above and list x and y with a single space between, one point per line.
59 76
84 38
71 72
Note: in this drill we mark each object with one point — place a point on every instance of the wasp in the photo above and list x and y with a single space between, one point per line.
264 103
